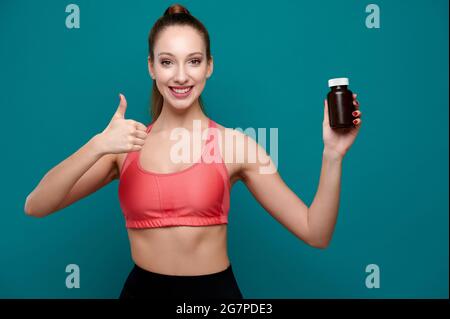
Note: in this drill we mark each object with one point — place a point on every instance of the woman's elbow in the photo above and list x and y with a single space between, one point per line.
28 209
320 244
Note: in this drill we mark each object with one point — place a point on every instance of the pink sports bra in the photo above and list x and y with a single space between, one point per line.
195 196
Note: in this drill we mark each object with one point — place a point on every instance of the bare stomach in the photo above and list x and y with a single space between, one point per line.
180 250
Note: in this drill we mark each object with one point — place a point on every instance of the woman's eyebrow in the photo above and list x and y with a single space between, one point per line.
168 53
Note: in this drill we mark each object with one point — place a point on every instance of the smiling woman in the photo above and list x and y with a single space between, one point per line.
176 214
189 260
178 31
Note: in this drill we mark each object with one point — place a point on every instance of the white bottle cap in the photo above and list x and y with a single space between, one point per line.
337 81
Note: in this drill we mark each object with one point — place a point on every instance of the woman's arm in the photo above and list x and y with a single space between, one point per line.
322 213
88 169
266 185
54 187
315 224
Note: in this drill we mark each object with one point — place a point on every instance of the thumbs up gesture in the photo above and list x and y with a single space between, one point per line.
122 135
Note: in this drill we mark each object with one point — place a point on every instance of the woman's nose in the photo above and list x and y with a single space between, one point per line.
181 75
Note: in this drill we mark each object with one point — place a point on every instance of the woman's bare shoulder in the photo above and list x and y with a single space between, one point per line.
227 130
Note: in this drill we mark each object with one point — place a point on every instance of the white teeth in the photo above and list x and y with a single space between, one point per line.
181 91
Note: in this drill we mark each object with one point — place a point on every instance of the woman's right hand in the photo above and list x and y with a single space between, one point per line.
122 135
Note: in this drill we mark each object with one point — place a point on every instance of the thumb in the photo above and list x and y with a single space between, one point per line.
325 113
122 107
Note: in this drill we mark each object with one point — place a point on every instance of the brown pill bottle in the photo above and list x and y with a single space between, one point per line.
340 103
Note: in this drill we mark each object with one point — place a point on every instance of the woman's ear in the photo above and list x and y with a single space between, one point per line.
150 68
210 68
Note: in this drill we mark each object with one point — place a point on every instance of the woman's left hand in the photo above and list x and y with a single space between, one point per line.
339 141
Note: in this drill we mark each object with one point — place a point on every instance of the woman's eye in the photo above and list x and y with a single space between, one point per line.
194 61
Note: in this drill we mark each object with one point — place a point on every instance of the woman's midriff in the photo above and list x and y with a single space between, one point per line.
180 250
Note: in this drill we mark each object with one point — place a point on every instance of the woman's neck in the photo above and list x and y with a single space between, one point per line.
171 118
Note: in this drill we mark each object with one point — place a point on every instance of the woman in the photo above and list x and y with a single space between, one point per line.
176 214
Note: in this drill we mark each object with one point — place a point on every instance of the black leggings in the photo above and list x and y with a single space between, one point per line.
144 284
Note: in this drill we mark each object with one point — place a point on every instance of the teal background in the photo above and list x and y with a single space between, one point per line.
59 87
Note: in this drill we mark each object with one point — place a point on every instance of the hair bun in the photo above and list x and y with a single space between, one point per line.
176 8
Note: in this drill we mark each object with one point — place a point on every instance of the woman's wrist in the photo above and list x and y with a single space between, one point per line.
332 154
96 145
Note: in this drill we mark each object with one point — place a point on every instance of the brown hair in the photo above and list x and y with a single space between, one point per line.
176 14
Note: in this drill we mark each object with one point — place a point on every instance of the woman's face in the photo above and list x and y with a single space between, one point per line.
180 67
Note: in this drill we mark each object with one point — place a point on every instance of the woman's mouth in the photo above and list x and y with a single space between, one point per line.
180 92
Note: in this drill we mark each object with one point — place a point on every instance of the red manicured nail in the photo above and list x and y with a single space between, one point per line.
355 121
354 113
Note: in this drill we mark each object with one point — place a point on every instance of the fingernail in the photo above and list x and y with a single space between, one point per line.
355 121
354 113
